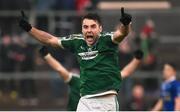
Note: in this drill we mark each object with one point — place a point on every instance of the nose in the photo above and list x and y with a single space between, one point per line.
89 30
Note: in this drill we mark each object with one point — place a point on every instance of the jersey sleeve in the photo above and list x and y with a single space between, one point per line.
161 91
69 78
67 43
108 39
109 36
75 80
177 89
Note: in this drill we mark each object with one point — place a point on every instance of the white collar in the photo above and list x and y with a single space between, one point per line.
170 79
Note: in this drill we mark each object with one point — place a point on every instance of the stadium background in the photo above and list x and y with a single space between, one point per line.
28 83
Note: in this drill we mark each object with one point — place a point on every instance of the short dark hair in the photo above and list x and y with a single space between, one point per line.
172 64
93 16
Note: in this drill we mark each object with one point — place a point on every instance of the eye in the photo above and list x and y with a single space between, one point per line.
85 26
93 26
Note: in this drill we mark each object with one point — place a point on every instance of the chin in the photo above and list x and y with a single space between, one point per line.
89 43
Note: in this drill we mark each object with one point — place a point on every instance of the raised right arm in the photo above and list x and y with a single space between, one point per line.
44 37
39 35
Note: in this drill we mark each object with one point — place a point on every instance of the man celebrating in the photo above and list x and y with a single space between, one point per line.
97 54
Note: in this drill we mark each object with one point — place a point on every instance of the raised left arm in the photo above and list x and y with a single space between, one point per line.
123 29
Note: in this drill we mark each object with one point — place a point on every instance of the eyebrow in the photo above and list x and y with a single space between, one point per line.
93 25
90 25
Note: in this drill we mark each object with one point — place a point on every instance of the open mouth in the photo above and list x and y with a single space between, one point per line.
89 36
90 39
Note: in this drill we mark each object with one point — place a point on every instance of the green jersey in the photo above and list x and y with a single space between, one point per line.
74 93
99 65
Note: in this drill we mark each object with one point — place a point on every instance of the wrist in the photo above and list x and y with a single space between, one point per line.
138 54
29 28
46 56
44 51
25 25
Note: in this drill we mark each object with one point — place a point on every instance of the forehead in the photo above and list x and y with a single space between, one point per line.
89 22
167 66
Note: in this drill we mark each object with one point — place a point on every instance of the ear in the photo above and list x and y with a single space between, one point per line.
100 28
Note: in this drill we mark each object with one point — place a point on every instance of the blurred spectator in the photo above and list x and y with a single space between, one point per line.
138 101
7 86
84 5
24 55
170 90
147 41
19 53
24 63
6 55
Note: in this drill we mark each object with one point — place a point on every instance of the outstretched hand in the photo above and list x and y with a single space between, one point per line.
43 51
23 23
125 17
138 54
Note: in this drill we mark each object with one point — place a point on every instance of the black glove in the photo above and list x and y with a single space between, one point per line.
125 18
43 51
23 23
138 54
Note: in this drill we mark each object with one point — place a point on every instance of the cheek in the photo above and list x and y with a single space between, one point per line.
167 74
96 31
83 31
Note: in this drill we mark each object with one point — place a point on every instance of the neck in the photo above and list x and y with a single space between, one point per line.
172 78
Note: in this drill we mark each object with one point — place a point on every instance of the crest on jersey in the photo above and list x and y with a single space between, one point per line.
88 55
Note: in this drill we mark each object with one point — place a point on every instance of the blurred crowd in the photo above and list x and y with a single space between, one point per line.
19 55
